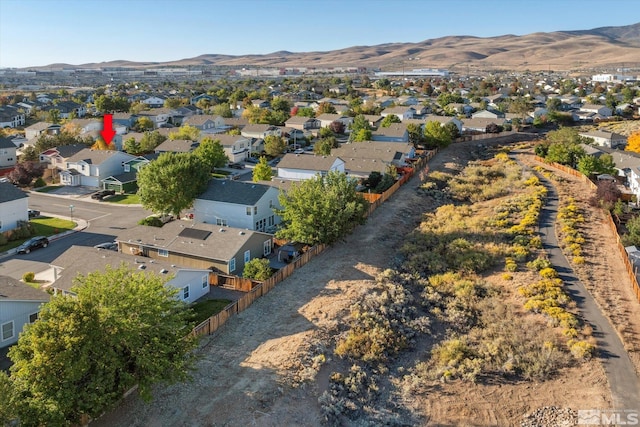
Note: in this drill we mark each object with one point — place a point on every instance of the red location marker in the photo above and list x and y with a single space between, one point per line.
107 131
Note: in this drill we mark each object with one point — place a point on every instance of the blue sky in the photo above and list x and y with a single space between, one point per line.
41 32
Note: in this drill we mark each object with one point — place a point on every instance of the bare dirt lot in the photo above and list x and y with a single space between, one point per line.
265 368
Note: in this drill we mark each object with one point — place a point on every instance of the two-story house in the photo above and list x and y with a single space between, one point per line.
236 147
606 139
238 204
8 156
403 112
205 122
14 205
19 306
303 123
90 167
39 128
298 167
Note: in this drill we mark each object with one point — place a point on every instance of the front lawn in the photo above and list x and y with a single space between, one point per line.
124 199
48 188
43 226
202 310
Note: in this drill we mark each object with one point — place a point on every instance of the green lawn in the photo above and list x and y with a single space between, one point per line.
48 189
202 310
124 199
43 226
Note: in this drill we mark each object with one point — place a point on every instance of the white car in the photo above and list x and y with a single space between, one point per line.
299 151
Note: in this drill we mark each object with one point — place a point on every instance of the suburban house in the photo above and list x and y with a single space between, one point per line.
11 116
303 123
127 120
197 245
8 153
19 305
395 133
606 139
37 129
326 119
403 112
90 167
127 180
445 120
299 167
238 204
14 204
176 146
57 157
205 122
362 158
627 163
68 109
260 103
236 147
374 121
154 101
203 96
80 260
488 114
259 131
159 116
600 110
479 125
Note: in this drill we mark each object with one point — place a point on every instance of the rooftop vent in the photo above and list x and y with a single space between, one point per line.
163 271
241 233
221 230
142 267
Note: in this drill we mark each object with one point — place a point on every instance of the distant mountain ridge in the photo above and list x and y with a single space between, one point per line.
560 50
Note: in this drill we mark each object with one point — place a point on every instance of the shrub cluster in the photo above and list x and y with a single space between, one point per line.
573 241
23 230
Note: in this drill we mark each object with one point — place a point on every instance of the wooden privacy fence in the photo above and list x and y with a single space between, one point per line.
256 290
612 225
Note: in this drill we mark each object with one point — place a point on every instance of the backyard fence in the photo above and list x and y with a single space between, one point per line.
631 271
255 290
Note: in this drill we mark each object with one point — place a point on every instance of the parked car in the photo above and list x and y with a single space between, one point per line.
99 195
112 246
236 165
251 160
33 213
299 151
33 243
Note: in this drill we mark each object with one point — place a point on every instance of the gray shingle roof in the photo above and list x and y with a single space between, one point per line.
9 192
6 143
236 192
94 157
14 290
307 162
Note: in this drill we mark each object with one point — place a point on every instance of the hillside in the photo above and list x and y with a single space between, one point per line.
560 50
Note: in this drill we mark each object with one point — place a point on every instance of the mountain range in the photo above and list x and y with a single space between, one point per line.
598 48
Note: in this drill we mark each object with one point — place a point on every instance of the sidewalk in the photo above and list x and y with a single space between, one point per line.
81 224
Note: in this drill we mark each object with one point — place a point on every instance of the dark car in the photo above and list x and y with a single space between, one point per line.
99 195
236 165
33 243
33 213
112 246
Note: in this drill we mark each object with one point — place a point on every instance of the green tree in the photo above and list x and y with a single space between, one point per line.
170 183
588 165
321 209
324 145
389 120
223 110
211 153
150 140
274 145
172 102
325 108
436 135
564 146
416 136
187 132
553 104
361 135
447 98
122 328
262 171
143 124
131 146
280 104
257 269
306 112
53 116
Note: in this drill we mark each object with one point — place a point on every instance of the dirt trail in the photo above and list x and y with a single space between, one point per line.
259 368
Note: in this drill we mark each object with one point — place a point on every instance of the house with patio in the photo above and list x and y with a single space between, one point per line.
196 245
90 167
606 139
191 283
19 306
238 204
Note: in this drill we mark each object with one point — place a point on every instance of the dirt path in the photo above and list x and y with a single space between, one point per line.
259 369
624 384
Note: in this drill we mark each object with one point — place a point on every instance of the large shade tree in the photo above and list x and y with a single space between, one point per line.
170 183
122 328
211 152
322 209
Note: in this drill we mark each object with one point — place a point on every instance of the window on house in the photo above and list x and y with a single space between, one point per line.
220 221
248 210
127 168
7 331
163 252
205 281
247 256
255 210
232 265
267 248
185 292
33 317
